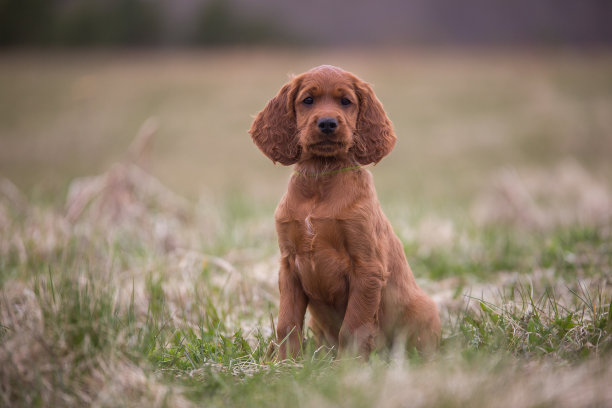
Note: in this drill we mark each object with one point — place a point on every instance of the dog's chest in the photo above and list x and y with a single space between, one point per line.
321 259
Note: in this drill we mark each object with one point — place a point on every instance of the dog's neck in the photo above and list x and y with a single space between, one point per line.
324 178
317 167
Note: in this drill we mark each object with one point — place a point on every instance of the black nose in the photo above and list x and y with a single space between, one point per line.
327 125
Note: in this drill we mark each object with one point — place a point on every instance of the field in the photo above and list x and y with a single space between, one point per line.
138 257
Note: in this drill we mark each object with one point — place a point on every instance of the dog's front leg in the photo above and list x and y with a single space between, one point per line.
293 302
360 326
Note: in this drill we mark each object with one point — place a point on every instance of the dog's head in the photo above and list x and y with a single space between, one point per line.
325 112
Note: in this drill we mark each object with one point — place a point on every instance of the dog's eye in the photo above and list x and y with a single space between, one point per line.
345 101
308 100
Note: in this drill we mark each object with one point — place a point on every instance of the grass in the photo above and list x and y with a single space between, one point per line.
116 291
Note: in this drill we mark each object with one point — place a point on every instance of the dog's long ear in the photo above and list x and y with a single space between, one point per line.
374 137
274 129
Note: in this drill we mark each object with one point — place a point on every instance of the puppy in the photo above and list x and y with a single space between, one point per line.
339 255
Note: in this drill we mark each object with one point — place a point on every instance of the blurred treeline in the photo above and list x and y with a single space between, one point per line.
131 23
339 22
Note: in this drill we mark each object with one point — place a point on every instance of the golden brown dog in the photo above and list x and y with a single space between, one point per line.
339 255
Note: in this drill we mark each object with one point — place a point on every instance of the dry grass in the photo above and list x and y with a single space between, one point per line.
99 309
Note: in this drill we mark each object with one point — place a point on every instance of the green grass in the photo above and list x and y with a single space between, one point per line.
140 297
572 252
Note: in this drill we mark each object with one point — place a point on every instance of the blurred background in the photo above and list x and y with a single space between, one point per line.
474 88
229 22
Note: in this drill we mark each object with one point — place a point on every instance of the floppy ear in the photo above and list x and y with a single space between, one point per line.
274 129
374 136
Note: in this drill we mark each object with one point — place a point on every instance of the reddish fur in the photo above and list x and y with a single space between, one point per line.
339 255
